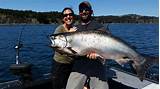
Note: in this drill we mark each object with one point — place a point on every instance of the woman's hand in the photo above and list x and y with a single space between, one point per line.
73 29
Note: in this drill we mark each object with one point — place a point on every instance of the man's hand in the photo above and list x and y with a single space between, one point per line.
92 55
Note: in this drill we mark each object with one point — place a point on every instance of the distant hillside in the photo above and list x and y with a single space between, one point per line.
130 18
8 16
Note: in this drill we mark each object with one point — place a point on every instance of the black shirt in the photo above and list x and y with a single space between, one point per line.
89 67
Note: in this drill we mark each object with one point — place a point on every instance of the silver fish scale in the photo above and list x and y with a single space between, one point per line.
82 41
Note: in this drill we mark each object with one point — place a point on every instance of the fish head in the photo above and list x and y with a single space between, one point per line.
58 41
62 44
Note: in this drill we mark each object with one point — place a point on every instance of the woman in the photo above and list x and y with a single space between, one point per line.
62 63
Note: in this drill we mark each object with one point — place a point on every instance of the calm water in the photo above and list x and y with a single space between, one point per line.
35 50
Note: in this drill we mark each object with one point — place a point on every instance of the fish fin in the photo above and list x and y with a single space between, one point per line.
73 51
59 51
123 60
101 59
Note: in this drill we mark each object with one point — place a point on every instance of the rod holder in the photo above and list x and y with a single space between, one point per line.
22 70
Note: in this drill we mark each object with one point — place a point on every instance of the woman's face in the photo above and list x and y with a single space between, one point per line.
68 17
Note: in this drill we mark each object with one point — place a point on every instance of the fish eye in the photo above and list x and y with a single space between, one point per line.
60 35
57 37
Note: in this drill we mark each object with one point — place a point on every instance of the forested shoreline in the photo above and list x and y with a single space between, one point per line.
9 16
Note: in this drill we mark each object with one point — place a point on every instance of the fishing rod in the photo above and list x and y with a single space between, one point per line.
21 69
19 45
107 27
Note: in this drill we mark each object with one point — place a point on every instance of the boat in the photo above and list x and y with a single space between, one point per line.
117 78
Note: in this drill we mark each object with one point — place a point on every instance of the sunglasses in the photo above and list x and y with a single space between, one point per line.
84 8
70 14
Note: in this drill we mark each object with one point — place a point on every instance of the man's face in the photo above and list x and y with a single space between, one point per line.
85 13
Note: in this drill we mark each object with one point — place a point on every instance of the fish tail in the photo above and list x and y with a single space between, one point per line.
140 68
143 66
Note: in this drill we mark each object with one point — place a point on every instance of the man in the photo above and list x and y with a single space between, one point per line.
87 69
62 63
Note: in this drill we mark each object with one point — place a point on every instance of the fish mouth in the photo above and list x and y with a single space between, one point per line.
53 42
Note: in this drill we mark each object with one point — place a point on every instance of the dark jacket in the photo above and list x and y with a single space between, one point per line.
89 67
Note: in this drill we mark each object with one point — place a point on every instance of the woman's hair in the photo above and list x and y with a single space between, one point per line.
67 8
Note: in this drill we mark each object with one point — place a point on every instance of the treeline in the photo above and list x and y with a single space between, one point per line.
130 18
8 16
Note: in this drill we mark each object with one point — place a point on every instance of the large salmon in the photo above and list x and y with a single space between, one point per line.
106 45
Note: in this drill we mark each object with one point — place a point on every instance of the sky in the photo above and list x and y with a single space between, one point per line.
100 7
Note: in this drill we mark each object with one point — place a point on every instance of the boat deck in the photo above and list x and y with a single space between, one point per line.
118 79
133 81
